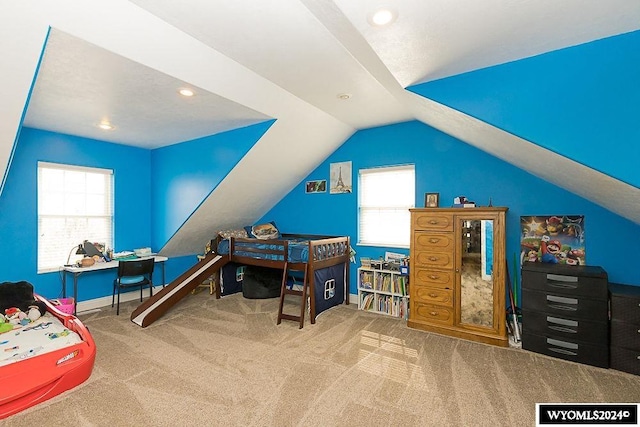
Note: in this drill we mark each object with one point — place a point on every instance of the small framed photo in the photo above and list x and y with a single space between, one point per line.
317 186
431 200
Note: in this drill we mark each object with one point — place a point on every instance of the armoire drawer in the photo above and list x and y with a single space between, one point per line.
432 221
442 242
542 323
564 281
431 313
623 359
430 295
570 307
625 334
433 259
576 351
434 278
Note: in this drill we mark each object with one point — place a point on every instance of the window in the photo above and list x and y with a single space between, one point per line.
74 204
385 196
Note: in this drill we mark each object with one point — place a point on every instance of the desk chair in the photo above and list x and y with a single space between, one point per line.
132 274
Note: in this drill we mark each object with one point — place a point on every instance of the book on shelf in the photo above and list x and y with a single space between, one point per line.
367 302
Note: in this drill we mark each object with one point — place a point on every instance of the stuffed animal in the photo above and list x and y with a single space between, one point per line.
34 313
19 295
15 316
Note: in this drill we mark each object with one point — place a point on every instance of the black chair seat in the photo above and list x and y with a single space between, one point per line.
133 274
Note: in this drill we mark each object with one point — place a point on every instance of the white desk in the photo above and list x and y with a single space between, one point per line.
77 271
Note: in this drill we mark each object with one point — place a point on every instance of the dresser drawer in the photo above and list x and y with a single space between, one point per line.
576 351
429 295
442 242
431 313
432 221
433 259
560 278
564 284
565 306
433 278
625 335
625 360
537 322
625 308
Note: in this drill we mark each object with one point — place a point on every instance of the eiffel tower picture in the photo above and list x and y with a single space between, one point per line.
340 174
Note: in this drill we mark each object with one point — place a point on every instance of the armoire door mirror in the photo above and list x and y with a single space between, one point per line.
476 273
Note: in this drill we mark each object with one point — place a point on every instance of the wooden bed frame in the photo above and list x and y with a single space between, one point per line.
324 251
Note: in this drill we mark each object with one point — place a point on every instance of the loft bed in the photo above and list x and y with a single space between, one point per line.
325 258
43 359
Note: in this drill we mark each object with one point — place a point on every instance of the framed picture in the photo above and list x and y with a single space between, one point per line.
316 186
340 178
431 200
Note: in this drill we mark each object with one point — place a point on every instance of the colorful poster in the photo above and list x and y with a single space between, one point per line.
556 239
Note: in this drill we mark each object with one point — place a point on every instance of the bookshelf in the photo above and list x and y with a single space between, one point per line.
383 291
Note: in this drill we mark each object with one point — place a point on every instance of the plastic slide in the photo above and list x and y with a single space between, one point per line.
153 308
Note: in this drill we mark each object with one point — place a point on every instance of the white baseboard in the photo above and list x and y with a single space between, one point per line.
353 299
98 303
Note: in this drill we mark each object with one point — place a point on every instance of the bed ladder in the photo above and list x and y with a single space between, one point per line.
285 290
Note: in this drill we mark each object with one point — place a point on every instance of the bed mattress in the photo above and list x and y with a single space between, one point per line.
42 336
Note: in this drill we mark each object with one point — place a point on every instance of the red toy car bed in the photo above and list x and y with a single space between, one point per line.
33 371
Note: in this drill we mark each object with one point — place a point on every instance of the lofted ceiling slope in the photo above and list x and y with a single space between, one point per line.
294 61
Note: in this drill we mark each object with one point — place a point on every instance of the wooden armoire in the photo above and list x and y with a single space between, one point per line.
458 273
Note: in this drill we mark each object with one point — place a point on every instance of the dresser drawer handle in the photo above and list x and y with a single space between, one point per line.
563 351
433 277
433 258
433 295
435 313
434 240
561 285
563 329
433 222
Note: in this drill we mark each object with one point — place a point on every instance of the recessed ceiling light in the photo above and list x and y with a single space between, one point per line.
344 96
382 17
186 92
105 126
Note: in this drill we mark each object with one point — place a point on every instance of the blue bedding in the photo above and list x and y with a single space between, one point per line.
298 250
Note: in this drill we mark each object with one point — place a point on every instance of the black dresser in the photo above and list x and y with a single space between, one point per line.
565 312
625 328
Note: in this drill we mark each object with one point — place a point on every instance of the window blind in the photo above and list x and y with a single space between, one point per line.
74 204
385 196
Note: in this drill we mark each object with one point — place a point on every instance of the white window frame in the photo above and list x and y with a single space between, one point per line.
75 204
383 205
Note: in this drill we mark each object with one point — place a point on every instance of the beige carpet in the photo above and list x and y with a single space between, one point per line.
226 362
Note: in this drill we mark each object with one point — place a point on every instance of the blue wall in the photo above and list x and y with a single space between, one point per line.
581 102
141 178
183 175
19 213
446 165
